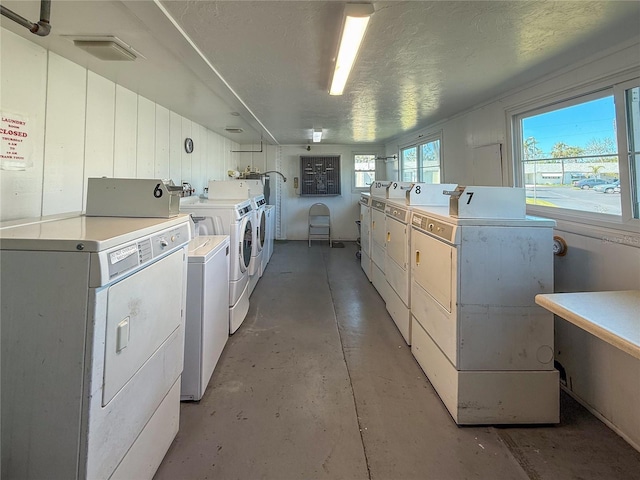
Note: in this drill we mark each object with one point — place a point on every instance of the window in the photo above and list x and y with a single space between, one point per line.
421 162
632 114
579 158
365 170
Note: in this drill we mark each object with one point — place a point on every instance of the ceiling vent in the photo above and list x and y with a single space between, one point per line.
106 48
233 130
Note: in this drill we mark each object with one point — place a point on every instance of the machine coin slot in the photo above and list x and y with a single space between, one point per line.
388 237
417 257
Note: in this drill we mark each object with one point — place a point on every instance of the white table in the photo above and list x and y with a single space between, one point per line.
611 316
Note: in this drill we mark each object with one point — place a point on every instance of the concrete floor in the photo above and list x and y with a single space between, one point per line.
318 383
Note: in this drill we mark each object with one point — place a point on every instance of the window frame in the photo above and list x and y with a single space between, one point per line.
422 140
597 225
354 187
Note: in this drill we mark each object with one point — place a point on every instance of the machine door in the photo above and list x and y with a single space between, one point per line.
378 231
143 310
397 242
246 242
365 228
262 229
433 266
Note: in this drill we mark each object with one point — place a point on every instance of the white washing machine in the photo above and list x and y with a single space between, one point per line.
92 345
207 320
259 203
244 189
270 215
233 218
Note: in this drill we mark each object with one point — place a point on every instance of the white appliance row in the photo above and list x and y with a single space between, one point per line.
92 345
461 291
109 319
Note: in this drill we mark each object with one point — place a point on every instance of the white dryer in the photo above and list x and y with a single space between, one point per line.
92 345
365 233
378 238
402 198
476 330
233 218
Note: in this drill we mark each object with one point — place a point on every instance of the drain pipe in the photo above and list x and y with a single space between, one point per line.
42 28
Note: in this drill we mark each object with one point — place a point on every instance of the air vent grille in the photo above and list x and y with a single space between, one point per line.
320 175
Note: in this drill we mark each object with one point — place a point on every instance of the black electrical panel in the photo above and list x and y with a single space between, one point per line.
320 175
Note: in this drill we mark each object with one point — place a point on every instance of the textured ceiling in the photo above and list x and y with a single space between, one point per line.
270 60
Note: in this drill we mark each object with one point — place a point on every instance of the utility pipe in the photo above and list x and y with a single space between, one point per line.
275 171
42 28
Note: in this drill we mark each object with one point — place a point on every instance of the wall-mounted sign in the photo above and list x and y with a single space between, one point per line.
15 143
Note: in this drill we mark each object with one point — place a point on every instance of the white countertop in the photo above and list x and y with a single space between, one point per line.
611 316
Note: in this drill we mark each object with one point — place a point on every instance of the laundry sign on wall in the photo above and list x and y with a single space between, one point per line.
15 143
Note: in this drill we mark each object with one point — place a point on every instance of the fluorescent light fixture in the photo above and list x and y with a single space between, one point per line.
317 134
356 19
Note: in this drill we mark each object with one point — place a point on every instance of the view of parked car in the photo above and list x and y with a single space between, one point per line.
588 183
608 187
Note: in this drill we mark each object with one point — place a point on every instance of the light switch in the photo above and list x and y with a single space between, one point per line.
122 335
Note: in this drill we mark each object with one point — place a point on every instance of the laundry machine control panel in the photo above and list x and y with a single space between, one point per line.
123 259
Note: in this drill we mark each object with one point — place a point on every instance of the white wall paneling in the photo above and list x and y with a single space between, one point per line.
226 155
161 163
82 125
186 157
146 143
65 133
196 155
213 169
201 159
175 148
126 124
21 190
99 129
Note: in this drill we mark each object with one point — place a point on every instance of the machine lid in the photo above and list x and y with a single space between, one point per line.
240 207
82 233
203 247
220 203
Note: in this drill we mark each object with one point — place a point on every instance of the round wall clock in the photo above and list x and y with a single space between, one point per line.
188 145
